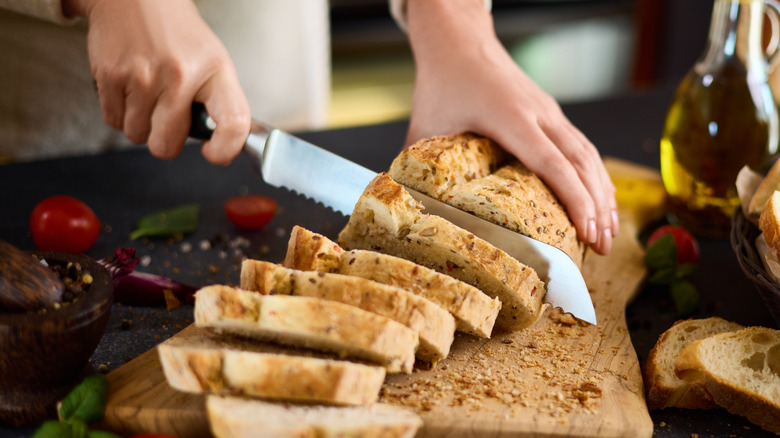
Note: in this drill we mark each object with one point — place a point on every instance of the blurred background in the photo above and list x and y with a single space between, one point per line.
577 50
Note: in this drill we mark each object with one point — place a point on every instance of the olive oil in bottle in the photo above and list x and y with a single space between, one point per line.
722 118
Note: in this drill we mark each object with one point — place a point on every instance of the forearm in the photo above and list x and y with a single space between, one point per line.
439 28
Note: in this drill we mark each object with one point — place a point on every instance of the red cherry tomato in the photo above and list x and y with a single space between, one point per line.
687 247
64 224
250 212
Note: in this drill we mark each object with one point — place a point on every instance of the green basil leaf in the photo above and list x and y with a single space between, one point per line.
101 434
79 427
663 276
662 254
685 297
685 270
178 220
54 429
86 401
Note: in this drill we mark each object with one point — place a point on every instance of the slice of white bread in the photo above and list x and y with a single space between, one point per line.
465 174
664 389
232 417
769 222
387 219
434 325
475 313
307 322
200 362
740 371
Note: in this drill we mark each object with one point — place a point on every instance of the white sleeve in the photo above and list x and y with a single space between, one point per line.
398 11
49 10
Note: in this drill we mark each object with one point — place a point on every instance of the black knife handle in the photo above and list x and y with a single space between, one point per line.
201 125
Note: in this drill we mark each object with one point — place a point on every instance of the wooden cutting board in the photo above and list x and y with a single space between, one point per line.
554 379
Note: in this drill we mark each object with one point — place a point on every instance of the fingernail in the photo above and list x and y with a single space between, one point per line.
615 223
592 233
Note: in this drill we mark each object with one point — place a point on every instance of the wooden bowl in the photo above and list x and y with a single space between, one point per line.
43 355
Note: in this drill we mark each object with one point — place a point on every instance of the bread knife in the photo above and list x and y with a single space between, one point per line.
284 160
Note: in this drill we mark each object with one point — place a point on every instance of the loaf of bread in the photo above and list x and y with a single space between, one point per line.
462 171
475 313
435 165
434 325
232 417
196 361
307 322
664 388
387 219
740 371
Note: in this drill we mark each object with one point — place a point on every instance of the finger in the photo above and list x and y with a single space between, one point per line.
609 187
111 94
170 124
228 107
140 101
549 164
586 161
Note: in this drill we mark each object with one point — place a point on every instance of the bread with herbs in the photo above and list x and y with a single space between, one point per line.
387 219
475 312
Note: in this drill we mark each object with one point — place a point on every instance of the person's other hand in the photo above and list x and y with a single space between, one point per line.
466 81
151 59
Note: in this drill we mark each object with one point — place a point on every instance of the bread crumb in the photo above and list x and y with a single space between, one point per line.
530 372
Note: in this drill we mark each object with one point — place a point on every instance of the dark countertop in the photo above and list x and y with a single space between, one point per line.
123 186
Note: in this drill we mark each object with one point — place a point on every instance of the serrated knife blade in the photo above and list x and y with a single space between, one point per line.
295 164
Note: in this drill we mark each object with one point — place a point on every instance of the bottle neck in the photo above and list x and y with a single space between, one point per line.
735 33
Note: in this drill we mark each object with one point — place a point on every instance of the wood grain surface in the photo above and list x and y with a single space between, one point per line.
553 379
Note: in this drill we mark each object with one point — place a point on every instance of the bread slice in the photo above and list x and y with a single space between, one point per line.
664 388
196 361
309 251
435 165
434 325
307 322
232 417
769 222
768 186
741 372
387 219
510 196
475 313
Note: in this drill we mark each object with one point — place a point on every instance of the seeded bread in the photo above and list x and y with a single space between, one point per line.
517 199
387 219
200 362
434 325
475 313
510 196
307 322
435 165
741 372
309 251
664 388
231 417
